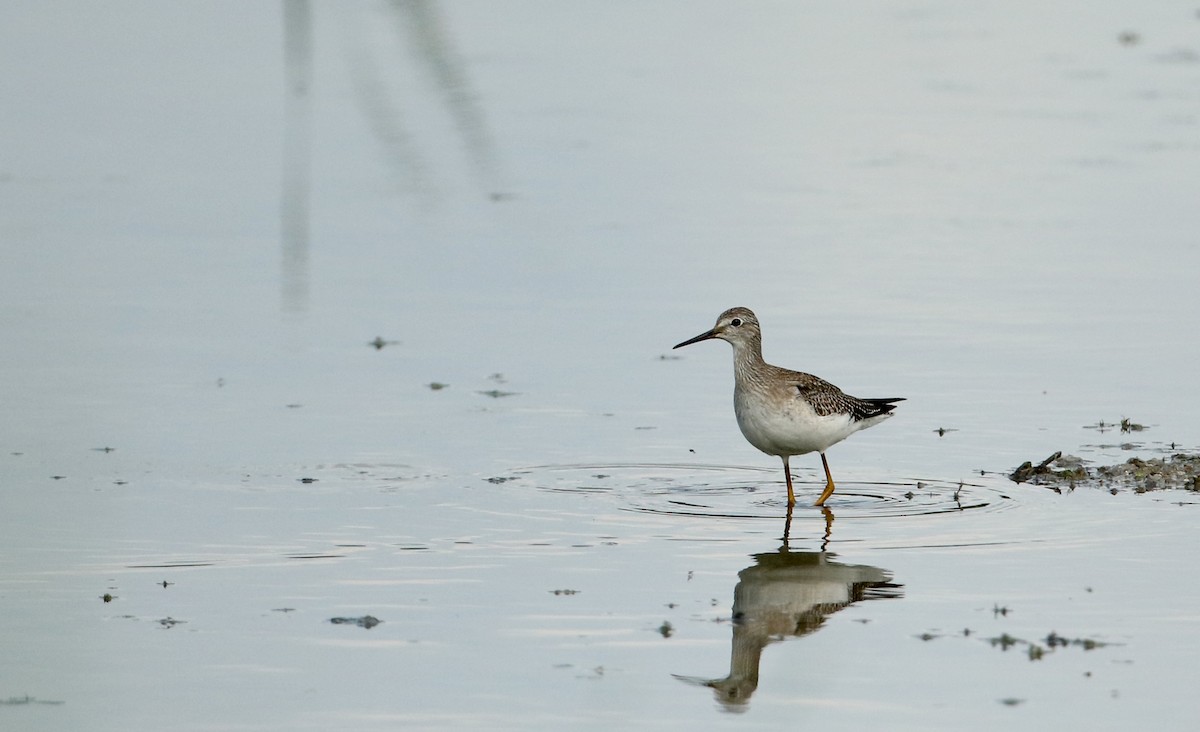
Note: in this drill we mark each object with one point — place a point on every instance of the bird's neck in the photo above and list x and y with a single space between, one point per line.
747 359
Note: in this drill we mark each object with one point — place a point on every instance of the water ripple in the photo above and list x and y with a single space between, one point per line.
727 491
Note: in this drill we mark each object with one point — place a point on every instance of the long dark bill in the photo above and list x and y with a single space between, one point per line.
697 339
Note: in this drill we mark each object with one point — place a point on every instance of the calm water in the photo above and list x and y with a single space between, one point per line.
208 211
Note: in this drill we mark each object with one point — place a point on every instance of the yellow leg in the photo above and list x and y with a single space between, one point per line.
828 526
828 483
787 473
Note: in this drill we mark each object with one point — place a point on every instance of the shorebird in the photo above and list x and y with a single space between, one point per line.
784 412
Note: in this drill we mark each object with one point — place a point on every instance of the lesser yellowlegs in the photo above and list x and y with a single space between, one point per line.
783 412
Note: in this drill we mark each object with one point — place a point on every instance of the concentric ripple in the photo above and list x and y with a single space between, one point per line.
733 491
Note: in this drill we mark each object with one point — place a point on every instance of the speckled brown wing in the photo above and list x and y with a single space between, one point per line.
827 399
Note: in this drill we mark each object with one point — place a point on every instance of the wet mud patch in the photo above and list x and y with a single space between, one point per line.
1140 475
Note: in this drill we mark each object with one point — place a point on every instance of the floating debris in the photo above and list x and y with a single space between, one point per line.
564 592
500 479
666 630
366 621
496 393
1004 641
380 342
1129 426
19 700
1126 425
1034 650
436 385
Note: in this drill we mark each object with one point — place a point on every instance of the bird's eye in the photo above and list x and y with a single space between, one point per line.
735 322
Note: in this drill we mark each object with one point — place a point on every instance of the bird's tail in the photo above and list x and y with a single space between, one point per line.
876 407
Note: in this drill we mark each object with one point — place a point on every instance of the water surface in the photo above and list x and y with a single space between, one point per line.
209 214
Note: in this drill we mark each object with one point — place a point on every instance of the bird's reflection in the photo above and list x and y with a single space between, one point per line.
786 594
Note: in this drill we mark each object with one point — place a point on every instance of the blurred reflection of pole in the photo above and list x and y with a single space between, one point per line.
294 213
416 24
423 24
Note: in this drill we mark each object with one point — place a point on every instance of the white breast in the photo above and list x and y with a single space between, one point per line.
789 426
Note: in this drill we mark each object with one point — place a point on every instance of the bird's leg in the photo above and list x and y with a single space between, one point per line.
828 483
787 473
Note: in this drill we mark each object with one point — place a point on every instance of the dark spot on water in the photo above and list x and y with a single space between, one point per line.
107 597
20 700
366 621
1004 641
564 592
